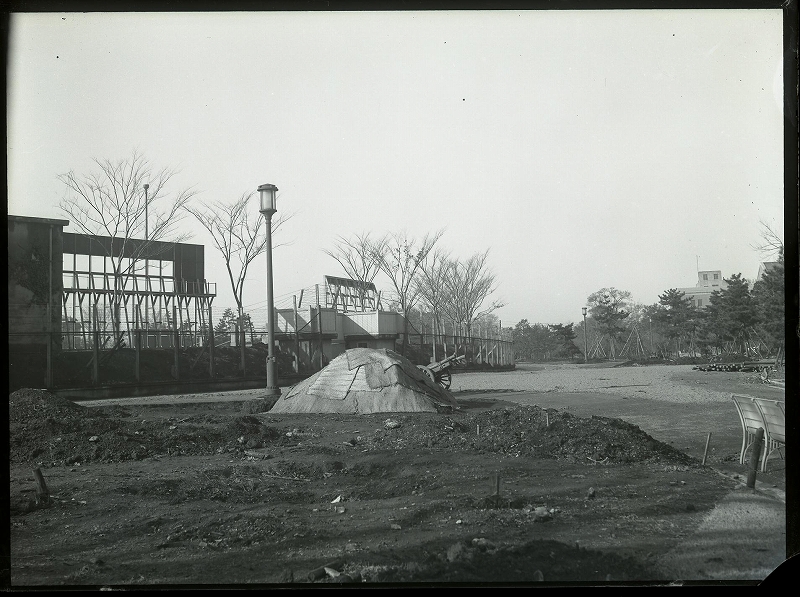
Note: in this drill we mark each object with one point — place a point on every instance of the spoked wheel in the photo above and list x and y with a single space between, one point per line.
444 379
427 372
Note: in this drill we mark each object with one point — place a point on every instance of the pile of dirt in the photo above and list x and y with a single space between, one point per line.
528 431
481 560
53 431
48 430
30 406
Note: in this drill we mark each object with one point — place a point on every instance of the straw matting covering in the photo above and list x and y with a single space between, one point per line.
366 380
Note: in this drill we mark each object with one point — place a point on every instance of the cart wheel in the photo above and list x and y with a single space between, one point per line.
427 372
444 380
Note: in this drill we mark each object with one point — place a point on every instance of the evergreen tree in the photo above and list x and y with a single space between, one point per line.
562 337
249 327
521 341
770 301
227 322
608 307
533 342
731 311
675 315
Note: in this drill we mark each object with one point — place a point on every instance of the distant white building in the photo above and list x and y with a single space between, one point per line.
707 282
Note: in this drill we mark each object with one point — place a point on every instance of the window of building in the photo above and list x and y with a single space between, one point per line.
363 345
82 263
699 302
705 276
716 276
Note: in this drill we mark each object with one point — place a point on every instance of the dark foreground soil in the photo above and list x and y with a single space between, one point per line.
198 494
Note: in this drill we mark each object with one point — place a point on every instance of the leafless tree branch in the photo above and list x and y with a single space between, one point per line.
112 202
359 256
771 242
238 234
400 258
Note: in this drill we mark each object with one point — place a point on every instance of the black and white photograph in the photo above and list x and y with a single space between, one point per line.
400 298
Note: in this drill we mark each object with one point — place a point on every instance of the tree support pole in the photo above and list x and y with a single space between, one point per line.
705 452
138 353
42 493
211 342
49 370
755 456
319 326
296 337
176 341
96 350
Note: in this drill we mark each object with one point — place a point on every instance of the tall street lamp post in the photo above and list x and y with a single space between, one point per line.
267 195
585 342
146 260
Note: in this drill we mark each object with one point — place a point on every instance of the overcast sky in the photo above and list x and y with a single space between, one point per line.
584 149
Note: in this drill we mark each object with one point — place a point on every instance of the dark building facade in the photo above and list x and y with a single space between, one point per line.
35 246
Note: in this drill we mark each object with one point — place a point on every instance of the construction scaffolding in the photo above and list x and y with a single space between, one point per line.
117 294
345 294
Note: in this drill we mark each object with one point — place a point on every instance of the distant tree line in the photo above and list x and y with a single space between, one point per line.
542 342
740 320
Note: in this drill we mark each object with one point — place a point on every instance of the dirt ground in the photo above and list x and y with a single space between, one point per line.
513 488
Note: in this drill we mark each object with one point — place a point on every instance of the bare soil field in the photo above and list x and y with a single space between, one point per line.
555 474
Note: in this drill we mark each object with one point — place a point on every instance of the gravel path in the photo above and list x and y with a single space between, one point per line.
654 382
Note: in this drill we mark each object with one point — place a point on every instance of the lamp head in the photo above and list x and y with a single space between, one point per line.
584 311
267 196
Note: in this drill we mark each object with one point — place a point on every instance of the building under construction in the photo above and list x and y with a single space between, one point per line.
75 292
329 318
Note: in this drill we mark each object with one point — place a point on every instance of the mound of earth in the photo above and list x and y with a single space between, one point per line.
480 560
30 405
44 427
532 432
49 429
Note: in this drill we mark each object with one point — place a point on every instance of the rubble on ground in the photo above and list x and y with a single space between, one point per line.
49 429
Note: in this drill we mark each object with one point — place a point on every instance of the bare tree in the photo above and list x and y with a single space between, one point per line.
771 241
400 258
114 203
470 283
240 235
359 257
432 287
488 321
